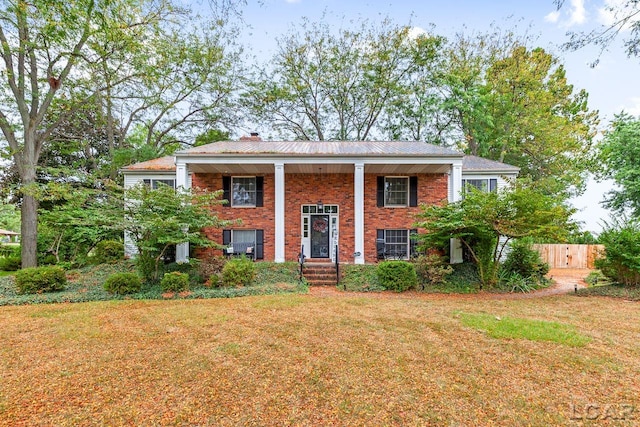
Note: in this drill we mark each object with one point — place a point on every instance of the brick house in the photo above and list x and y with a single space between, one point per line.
353 199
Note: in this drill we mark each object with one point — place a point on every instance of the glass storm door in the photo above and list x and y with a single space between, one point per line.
319 236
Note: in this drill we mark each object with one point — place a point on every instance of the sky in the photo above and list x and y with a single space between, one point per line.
612 84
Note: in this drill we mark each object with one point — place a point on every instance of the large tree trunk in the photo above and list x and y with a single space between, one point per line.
27 166
29 231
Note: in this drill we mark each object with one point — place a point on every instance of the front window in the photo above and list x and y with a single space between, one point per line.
484 185
244 191
396 191
396 243
153 183
243 236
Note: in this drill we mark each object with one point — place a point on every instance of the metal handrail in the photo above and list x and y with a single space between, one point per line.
301 258
337 268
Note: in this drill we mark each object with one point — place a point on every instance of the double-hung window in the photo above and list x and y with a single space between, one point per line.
396 191
485 185
395 243
243 191
241 240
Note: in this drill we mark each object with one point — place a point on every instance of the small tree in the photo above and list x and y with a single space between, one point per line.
621 258
486 222
157 219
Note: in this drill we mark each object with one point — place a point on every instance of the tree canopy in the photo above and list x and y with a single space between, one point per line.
157 219
618 159
624 16
123 62
486 222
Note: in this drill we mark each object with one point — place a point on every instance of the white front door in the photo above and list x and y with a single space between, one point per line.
319 231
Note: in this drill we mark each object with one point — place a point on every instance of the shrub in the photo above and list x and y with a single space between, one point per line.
621 257
40 279
191 268
238 272
10 263
214 280
146 265
525 261
397 275
108 251
432 269
175 282
123 283
514 282
211 265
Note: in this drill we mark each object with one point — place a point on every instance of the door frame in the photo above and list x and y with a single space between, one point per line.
306 211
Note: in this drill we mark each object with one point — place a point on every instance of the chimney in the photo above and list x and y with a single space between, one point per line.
254 136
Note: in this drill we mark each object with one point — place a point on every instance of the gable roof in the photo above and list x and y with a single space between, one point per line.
161 164
480 164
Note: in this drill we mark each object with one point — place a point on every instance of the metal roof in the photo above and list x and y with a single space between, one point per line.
166 163
323 148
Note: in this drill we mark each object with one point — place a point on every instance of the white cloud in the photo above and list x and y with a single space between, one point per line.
415 32
571 14
608 17
577 14
634 109
292 1
553 17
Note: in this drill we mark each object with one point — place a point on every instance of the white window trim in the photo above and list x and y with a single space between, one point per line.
407 193
231 191
487 180
153 181
408 244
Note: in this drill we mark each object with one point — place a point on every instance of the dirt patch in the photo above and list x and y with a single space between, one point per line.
565 280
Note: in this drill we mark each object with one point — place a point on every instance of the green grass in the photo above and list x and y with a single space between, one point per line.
520 328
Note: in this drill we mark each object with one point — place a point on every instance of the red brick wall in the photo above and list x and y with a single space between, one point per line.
333 189
252 218
432 189
308 189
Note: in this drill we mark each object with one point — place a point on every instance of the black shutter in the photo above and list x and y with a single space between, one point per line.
380 191
226 190
226 237
413 242
259 191
380 244
413 191
259 244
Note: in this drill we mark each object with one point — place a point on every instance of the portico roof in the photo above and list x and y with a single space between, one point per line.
322 148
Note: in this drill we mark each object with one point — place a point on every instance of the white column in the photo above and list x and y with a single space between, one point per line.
455 189
358 207
182 182
279 213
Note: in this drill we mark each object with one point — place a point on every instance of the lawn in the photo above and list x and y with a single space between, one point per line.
370 359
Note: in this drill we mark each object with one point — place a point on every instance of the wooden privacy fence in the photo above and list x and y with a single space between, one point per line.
569 256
